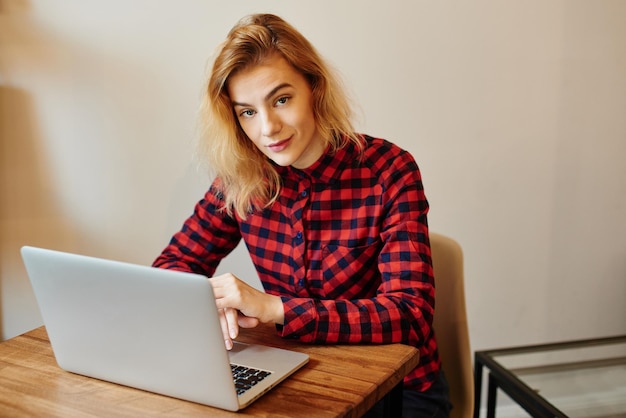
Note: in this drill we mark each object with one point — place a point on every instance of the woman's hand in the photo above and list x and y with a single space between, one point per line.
241 305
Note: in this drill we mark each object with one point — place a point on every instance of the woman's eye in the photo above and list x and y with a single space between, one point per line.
282 100
248 113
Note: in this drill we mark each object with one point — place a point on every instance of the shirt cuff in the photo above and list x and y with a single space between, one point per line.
301 319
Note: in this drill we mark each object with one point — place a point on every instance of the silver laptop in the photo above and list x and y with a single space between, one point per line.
148 328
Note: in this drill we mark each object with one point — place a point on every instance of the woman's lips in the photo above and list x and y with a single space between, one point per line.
280 145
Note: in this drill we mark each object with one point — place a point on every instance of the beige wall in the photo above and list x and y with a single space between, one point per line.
513 109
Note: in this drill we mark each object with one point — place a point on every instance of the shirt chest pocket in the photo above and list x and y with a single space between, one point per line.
345 272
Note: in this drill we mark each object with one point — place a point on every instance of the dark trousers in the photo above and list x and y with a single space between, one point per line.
434 402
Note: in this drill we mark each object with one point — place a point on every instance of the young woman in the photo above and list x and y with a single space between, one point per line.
334 221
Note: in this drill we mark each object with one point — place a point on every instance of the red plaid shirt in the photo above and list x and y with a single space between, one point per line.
345 245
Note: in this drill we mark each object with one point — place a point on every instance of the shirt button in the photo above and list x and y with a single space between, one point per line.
299 235
301 282
304 193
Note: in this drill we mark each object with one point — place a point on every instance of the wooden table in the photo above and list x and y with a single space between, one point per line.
338 381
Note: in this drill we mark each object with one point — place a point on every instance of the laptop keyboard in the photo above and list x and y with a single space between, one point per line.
246 377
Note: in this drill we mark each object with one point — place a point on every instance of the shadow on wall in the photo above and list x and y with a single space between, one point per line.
29 212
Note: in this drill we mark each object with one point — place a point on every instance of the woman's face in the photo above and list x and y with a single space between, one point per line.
274 105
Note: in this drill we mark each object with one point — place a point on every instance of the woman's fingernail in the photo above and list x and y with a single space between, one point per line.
229 344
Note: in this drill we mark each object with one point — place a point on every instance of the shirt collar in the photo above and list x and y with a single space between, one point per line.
328 167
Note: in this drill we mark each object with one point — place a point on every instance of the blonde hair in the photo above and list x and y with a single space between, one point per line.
248 179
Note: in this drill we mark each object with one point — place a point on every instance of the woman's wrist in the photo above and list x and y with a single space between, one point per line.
277 312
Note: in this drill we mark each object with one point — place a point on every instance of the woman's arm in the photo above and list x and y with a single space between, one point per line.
205 238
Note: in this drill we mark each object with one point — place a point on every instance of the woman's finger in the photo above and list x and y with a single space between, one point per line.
247 321
228 342
233 325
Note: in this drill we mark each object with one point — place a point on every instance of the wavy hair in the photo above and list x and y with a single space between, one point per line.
247 178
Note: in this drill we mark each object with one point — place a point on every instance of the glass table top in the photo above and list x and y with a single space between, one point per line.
582 379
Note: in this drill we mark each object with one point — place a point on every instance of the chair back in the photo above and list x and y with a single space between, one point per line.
450 323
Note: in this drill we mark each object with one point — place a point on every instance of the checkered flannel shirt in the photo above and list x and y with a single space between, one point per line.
345 246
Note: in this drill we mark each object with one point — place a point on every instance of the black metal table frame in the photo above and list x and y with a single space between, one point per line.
522 394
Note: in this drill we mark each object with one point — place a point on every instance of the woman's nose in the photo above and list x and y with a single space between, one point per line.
271 124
